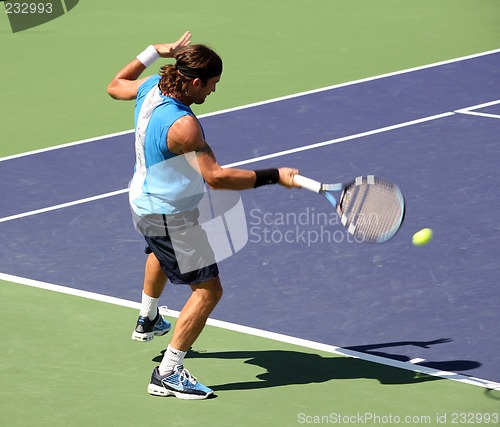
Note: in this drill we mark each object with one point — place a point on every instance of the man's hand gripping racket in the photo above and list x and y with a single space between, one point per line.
369 207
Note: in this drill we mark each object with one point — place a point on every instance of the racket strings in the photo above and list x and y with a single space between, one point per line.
372 211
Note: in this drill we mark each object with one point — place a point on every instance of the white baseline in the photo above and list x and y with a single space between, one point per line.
409 366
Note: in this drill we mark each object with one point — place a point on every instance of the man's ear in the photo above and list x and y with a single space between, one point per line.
197 82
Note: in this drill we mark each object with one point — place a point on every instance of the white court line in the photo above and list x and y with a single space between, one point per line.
342 139
269 101
470 110
69 144
479 106
242 162
409 366
63 205
475 113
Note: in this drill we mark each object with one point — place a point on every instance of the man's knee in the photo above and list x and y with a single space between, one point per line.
211 290
216 290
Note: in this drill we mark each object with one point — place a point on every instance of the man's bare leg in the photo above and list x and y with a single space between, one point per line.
154 277
191 321
194 315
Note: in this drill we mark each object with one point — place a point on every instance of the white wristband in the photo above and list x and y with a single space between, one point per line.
148 56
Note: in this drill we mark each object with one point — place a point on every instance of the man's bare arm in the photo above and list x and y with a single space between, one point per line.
125 85
185 136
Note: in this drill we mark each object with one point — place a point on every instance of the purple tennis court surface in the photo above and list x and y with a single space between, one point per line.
434 131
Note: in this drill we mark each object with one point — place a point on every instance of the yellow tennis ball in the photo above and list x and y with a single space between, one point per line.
422 237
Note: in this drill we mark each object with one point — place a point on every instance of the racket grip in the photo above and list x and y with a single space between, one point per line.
307 183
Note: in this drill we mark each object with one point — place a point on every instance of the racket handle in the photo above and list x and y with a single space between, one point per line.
307 183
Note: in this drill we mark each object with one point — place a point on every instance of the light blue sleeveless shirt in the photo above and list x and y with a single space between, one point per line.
163 182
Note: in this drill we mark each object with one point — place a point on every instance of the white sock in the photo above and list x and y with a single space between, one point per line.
171 359
149 306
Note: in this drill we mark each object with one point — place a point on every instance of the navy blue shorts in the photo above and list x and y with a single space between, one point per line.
183 250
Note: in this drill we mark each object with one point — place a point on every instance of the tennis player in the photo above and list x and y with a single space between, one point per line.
164 190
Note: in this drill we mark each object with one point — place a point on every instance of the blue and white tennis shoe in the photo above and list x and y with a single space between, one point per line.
146 329
180 383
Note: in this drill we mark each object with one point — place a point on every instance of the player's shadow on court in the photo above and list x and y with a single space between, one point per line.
447 365
284 367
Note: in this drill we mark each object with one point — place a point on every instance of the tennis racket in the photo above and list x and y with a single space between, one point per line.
369 207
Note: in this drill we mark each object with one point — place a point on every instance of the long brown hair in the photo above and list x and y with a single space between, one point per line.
195 61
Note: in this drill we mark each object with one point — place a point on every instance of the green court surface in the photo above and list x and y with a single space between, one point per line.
69 361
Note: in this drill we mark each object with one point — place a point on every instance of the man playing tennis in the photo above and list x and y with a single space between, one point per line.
166 191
